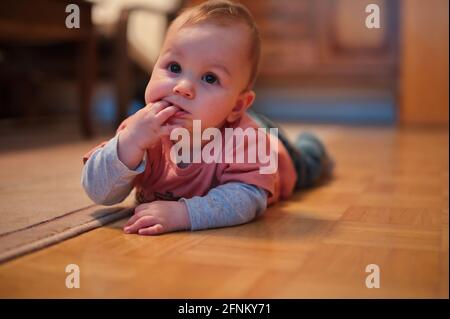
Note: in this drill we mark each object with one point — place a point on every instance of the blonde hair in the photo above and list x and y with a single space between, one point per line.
226 13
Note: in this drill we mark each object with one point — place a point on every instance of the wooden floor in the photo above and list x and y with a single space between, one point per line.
387 205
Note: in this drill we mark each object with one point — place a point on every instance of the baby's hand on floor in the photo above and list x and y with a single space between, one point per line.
158 217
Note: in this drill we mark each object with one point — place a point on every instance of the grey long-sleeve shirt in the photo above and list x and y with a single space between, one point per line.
107 181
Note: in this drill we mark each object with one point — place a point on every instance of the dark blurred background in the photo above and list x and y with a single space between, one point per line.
320 62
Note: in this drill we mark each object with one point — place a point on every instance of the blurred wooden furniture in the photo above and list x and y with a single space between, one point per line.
42 22
20 25
424 64
326 41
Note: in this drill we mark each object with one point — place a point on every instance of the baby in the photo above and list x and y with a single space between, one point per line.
205 71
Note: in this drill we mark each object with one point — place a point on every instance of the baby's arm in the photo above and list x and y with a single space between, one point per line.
106 180
109 172
226 205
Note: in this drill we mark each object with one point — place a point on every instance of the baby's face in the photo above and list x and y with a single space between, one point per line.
202 69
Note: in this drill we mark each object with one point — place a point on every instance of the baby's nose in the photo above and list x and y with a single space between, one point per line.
184 93
185 90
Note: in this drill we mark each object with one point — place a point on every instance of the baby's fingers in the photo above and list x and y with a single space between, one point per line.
139 211
142 222
158 106
164 115
132 220
152 230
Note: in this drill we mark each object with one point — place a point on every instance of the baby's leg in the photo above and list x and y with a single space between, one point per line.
310 158
311 161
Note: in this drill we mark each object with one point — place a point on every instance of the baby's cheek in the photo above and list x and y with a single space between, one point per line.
215 119
148 95
157 88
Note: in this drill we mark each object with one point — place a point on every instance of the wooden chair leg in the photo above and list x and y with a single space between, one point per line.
86 77
123 76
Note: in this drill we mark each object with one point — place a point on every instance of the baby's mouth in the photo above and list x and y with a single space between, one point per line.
180 113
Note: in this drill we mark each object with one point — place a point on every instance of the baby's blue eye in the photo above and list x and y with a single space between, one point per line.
210 78
174 67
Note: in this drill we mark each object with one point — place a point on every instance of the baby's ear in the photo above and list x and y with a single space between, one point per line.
244 101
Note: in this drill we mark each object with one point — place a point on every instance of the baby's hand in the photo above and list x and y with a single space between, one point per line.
148 124
158 217
142 130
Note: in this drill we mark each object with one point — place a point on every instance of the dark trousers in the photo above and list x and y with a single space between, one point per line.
308 154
